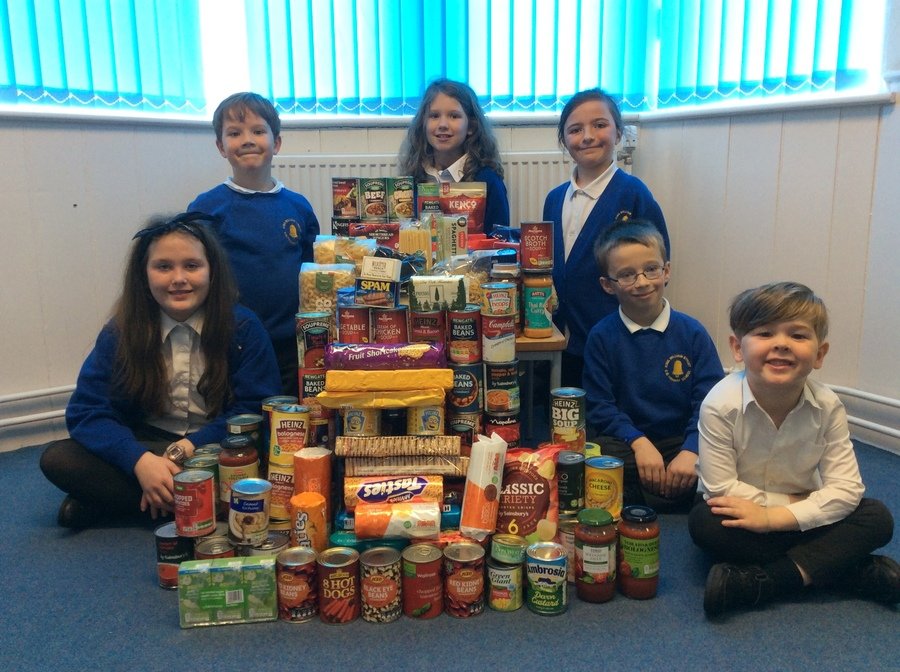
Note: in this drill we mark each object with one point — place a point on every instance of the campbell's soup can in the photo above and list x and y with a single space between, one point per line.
501 387
570 481
546 567
423 584
536 247
379 583
313 334
464 579
354 324
603 484
504 583
295 575
425 420
338 574
568 417
464 335
506 425
390 325
171 551
248 518
467 426
498 338
195 503
466 396
428 326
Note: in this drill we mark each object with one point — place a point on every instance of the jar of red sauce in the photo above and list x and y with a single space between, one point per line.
638 557
595 556
238 459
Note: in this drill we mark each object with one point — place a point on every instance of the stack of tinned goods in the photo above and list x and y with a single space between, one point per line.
372 207
499 311
536 257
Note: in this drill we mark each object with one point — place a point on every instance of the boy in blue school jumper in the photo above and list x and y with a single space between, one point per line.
647 370
267 230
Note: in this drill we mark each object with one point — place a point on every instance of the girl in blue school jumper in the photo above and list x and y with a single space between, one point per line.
450 140
178 358
597 195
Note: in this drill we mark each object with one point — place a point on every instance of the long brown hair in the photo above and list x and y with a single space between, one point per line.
141 370
480 145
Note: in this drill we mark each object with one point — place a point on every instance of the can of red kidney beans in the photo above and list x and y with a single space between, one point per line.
195 503
338 573
464 579
390 325
171 551
423 585
354 324
295 574
428 326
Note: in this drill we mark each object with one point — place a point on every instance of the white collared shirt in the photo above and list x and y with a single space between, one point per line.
231 184
659 324
452 173
186 409
578 204
743 454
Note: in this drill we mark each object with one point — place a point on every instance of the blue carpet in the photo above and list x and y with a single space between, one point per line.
89 600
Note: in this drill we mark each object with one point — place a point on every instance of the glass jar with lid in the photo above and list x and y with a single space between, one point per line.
595 556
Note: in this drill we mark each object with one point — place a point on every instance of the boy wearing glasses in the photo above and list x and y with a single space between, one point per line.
647 370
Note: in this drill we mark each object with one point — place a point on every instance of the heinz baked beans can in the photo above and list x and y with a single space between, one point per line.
546 566
536 247
379 584
338 574
423 584
501 387
568 417
464 579
313 334
504 586
195 503
498 338
248 518
466 396
171 551
295 575
354 324
603 481
390 325
464 335
428 326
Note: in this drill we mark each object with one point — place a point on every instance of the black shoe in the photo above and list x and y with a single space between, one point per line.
736 587
876 578
76 515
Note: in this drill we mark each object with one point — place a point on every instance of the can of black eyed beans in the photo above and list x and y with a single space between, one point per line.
380 593
546 567
504 586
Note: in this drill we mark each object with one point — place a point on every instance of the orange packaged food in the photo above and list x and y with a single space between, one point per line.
312 473
392 490
410 520
481 497
309 525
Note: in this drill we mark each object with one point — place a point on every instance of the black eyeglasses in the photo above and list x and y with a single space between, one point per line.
189 222
628 278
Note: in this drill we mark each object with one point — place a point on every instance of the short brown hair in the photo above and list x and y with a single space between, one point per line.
777 302
237 105
626 231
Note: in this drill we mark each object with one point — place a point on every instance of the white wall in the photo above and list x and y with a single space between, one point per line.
807 195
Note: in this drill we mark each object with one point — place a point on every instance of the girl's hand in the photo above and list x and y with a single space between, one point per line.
155 473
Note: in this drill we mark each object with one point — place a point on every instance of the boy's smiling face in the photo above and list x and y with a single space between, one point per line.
642 301
248 143
779 356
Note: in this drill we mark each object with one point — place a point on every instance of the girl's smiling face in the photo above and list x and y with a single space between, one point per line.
178 274
446 128
590 135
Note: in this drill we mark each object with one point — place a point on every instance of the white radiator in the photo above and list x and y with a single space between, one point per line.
528 176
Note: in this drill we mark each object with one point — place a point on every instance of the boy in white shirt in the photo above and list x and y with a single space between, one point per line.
784 506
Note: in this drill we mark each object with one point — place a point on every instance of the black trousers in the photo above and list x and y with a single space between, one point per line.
825 553
78 472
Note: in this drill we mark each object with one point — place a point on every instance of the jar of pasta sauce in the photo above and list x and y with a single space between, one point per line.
638 557
238 459
595 556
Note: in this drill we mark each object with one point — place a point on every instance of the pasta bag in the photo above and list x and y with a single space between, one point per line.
484 479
